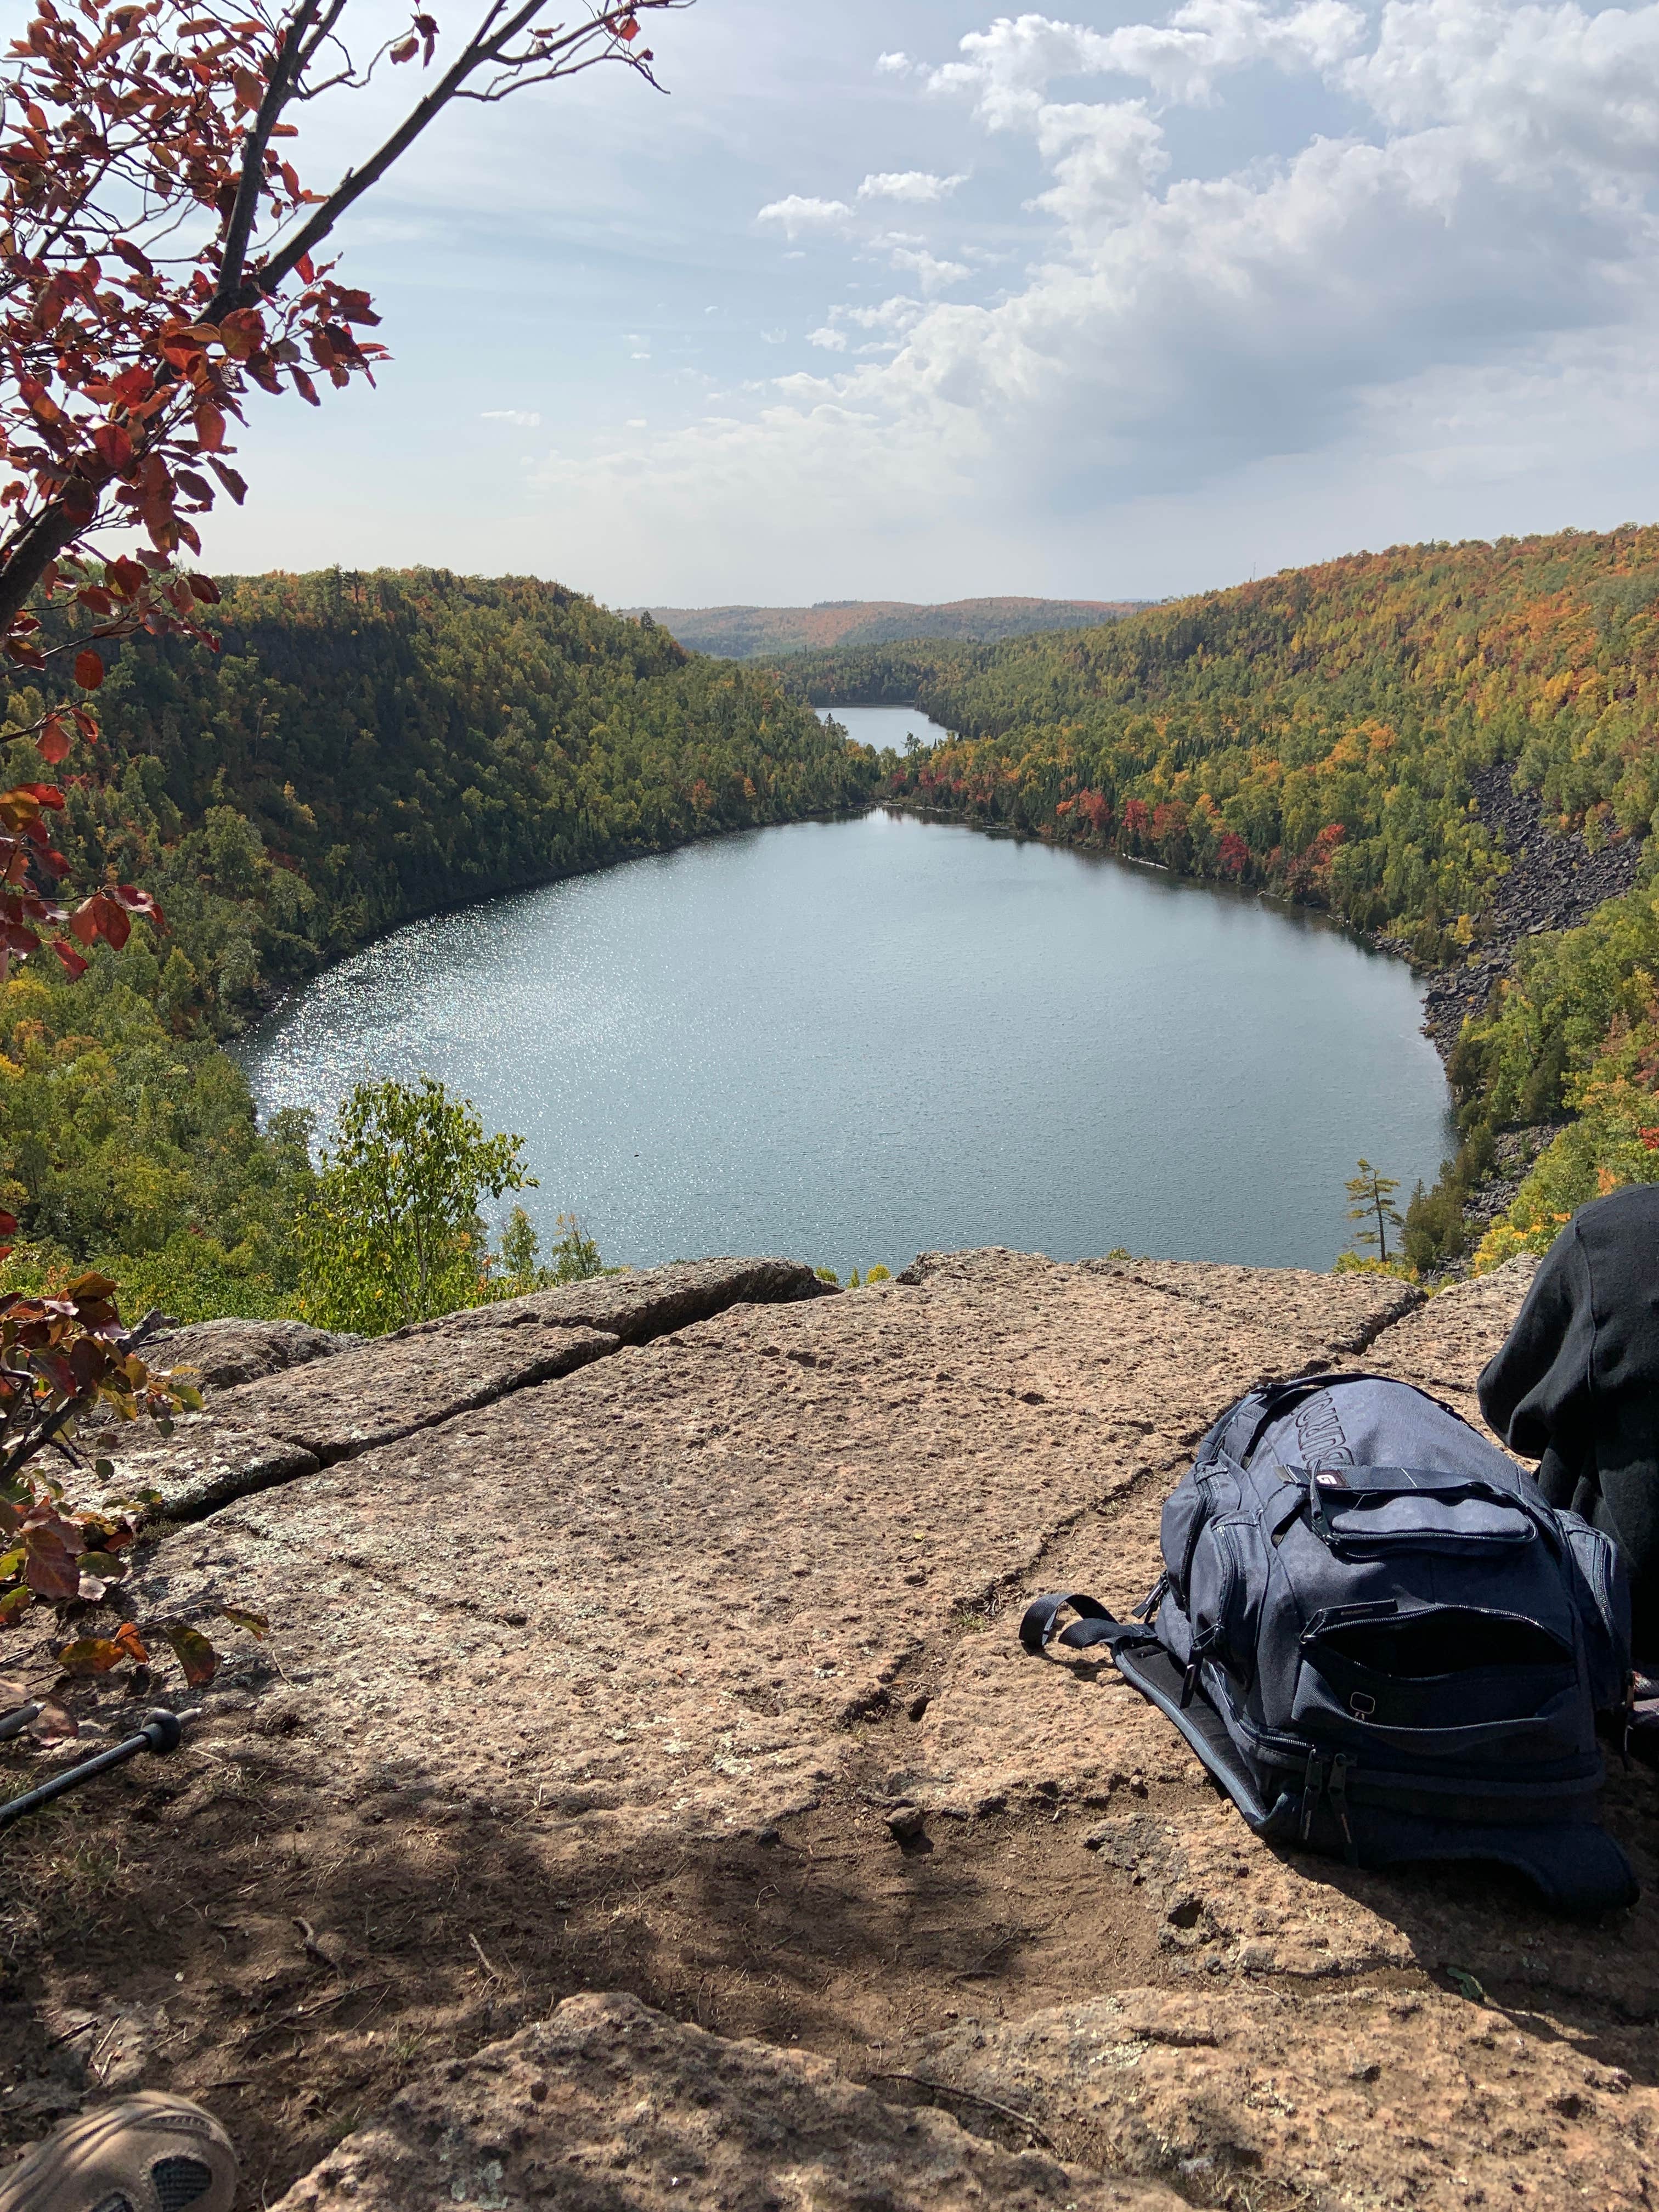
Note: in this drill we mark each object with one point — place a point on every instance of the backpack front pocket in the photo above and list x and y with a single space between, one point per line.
1437 1674
1367 1512
1228 1577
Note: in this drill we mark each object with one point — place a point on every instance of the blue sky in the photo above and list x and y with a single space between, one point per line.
912 299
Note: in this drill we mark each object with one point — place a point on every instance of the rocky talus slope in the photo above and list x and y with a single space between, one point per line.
642 1800
1554 882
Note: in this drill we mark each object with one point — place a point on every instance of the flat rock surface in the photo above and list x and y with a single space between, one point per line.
691 1675
1444 1345
608 2106
379 1391
727 1544
1370 2095
222 1353
636 1306
206 1462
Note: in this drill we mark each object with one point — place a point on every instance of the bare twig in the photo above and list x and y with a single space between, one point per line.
972 2096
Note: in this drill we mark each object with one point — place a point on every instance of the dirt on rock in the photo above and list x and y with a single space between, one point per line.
643 1798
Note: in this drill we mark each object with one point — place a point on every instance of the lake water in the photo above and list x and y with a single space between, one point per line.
885 726
848 1042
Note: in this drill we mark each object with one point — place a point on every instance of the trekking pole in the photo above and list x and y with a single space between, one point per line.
161 1732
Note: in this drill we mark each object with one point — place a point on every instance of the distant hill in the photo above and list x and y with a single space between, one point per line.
746 633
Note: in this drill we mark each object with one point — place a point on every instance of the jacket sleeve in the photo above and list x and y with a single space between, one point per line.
1535 1391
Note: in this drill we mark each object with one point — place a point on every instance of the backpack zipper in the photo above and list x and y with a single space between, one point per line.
1313 1782
1339 1789
1149 1605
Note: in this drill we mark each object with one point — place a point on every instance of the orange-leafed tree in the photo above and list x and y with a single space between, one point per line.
160 257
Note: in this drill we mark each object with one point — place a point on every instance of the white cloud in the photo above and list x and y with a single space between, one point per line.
1475 229
798 215
1105 159
917 185
894 64
774 338
892 318
1009 66
931 274
521 418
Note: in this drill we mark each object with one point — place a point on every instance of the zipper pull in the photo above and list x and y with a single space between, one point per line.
1189 1681
1148 1609
1313 1782
1339 1805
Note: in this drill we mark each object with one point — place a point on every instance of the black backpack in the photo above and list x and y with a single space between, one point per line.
1380 1639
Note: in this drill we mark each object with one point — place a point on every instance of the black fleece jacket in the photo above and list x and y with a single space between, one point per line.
1576 1383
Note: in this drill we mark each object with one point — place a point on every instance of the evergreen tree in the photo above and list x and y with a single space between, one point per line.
1371 1194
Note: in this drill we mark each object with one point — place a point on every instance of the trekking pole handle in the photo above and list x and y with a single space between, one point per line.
161 1732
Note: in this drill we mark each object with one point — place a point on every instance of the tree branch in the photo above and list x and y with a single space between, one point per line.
240 229
478 51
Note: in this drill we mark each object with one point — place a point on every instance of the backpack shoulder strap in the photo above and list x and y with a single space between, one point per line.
1094 1624
1140 1658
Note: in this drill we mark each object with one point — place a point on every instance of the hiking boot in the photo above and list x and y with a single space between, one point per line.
144 2154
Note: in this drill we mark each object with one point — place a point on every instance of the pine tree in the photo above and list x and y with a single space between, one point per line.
1372 1194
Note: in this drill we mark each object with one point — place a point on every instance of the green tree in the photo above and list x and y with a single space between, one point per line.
575 1256
521 1251
392 1233
1372 1200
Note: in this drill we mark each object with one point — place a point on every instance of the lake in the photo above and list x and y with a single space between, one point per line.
847 1041
885 726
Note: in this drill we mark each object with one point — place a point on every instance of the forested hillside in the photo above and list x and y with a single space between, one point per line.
362 749
748 633
1315 734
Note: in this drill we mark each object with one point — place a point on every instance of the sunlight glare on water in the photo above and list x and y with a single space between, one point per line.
848 1042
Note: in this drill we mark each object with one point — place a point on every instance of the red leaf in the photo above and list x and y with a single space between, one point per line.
209 428
204 587
71 960
49 1569
53 742
114 445
131 1641
233 484
628 28
88 670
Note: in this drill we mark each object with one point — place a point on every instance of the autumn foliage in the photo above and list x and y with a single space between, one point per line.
62 1358
161 260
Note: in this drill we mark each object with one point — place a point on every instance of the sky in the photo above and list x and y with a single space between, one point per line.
905 299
